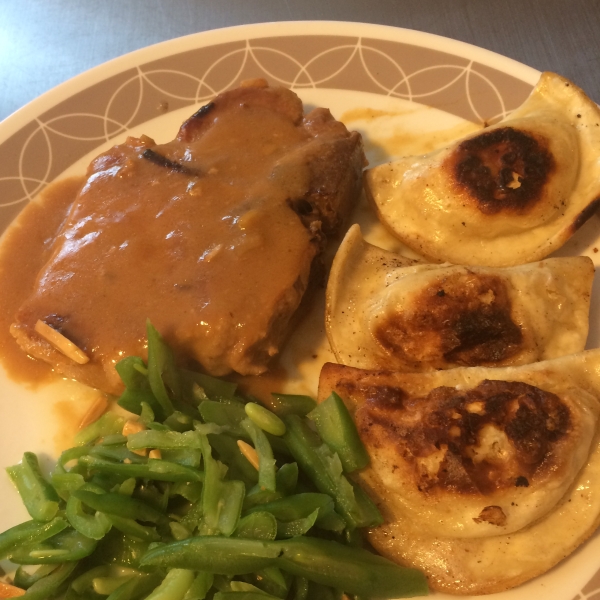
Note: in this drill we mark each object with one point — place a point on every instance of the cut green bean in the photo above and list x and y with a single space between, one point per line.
200 586
257 526
30 532
291 404
47 586
288 529
218 555
174 586
93 526
287 478
325 470
164 440
338 430
266 462
109 423
139 586
132 528
66 546
244 596
162 373
214 388
221 500
226 414
353 570
160 470
118 504
24 579
39 497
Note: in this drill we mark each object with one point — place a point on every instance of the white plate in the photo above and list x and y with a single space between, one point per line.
415 84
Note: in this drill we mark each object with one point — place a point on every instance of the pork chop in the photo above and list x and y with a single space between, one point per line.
212 237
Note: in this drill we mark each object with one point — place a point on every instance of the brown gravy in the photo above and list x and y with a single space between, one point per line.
25 248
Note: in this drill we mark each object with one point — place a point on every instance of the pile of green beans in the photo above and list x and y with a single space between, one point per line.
198 520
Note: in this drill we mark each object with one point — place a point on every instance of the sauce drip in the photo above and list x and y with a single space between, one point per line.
24 250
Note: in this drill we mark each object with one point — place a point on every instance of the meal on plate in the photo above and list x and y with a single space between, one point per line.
386 311
486 477
469 465
214 236
509 195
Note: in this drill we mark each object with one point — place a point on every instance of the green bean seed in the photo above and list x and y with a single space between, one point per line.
265 419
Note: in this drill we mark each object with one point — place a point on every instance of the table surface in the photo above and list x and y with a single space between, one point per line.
46 42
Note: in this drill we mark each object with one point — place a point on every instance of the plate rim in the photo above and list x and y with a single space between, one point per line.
414 37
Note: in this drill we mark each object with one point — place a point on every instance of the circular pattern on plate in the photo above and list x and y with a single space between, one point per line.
45 146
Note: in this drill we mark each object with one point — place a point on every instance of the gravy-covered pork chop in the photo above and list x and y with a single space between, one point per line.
212 237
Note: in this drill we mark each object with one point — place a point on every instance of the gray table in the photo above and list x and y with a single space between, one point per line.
46 42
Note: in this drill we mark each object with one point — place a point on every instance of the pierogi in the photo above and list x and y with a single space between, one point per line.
508 195
386 311
486 477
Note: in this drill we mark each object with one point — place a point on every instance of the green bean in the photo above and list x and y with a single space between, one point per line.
327 563
325 470
226 414
146 414
105 586
66 546
265 419
44 588
116 453
300 588
291 404
183 456
272 581
297 506
137 587
25 579
214 388
200 587
84 581
30 532
39 497
257 496
221 500
164 440
218 555
230 454
160 470
257 526
174 586
300 506
132 528
190 490
286 478
288 529
353 570
92 526
244 596
337 429
121 505
108 424
162 373
266 462
181 422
